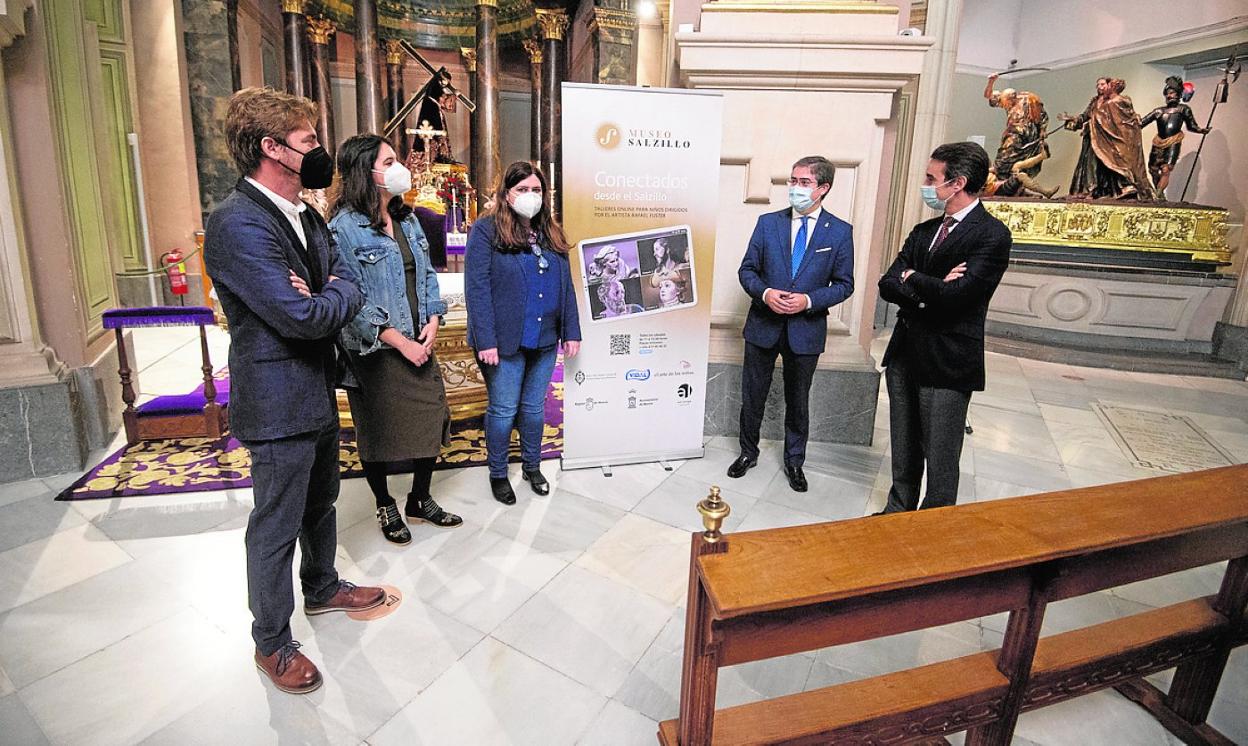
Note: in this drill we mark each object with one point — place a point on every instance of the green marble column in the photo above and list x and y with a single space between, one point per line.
319 32
295 29
210 79
368 111
553 25
485 166
534 48
613 34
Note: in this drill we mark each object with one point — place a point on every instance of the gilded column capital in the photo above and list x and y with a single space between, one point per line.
553 22
470 57
293 6
394 52
320 29
534 48
488 3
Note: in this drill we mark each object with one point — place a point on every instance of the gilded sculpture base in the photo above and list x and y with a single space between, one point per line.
1197 231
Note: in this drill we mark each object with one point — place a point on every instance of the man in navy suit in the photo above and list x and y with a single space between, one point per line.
800 263
943 280
286 293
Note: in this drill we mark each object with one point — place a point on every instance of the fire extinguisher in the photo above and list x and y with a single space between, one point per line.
176 269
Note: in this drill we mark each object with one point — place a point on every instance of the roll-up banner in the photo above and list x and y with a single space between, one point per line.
640 190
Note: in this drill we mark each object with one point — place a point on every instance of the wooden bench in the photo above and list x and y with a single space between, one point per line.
762 594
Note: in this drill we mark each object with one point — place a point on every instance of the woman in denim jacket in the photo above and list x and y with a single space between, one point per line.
521 305
397 400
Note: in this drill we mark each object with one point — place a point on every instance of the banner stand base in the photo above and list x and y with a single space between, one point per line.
594 462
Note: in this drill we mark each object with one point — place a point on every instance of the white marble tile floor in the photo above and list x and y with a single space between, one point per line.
557 621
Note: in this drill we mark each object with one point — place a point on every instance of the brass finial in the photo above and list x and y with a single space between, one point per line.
714 510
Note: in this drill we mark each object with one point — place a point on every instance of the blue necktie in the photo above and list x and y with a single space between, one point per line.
799 247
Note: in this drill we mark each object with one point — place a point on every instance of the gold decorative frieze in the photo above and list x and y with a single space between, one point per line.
394 52
320 29
1199 232
534 48
488 3
470 58
552 22
293 6
614 20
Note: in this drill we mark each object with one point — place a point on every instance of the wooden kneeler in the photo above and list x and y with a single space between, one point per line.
763 594
197 414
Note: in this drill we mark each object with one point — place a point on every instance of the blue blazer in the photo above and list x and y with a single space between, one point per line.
282 357
495 293
826 275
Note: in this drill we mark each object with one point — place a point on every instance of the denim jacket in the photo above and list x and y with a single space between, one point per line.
376 260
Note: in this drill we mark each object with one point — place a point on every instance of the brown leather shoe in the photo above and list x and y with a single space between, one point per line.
350 597
290 670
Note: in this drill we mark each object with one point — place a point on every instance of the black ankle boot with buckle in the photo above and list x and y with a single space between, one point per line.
392 526
429 511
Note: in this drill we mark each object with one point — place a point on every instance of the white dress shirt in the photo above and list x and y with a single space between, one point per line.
291 210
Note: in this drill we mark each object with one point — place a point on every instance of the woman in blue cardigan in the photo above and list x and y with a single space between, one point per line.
521 305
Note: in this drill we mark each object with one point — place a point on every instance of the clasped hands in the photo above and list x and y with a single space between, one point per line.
783 302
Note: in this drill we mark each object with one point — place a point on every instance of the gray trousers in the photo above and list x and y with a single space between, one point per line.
295 481
927 425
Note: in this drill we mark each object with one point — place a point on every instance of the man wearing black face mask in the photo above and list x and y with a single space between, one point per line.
286 294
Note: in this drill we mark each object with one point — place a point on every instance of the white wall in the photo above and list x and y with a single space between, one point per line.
1063 32
989 34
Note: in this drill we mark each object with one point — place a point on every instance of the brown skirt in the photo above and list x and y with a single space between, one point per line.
399 409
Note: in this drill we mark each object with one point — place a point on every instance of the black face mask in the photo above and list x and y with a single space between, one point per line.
317 170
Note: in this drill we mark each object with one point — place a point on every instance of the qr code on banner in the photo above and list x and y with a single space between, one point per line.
621 344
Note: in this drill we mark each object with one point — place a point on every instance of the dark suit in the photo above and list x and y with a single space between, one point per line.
826 274
935 358
282 403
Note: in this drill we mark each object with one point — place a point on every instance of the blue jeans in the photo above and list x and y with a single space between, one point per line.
517 396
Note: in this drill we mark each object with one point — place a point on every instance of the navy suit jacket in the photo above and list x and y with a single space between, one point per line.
826 275
940 327
495 293
282 360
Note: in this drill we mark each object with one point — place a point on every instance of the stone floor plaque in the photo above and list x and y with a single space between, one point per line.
1153 439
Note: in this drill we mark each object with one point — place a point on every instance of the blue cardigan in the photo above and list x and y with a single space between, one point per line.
495 293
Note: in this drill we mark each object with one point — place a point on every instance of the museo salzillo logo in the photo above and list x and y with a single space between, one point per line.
608 136
637 374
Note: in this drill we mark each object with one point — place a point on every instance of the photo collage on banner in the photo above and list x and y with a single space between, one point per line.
638 273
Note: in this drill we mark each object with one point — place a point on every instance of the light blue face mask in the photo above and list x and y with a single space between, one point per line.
800 198
928 193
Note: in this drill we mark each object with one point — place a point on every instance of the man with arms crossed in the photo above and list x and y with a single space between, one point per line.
800 263
942 281
286 294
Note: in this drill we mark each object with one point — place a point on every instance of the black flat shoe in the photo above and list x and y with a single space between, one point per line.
797 480
392 525
429 511
502 491
741 466
536 481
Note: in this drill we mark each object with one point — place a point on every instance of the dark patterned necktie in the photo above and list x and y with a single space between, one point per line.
945 227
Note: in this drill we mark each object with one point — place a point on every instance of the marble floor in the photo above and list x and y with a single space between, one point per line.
557 621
